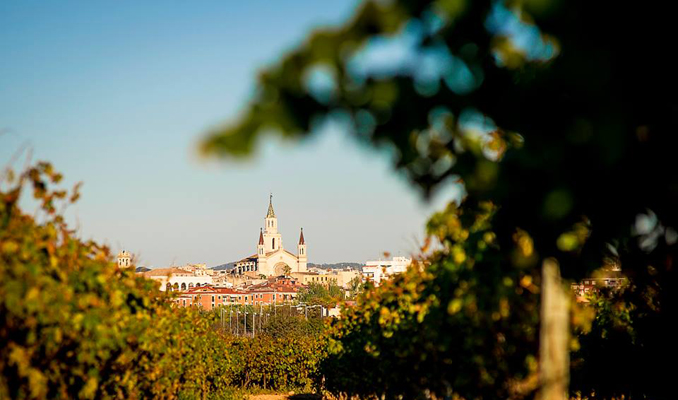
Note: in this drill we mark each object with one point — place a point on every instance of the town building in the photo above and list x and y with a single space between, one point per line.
210 297
326 277
610 278
376 271
271 258
179 278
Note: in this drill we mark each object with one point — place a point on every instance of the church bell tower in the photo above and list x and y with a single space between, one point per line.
272 239
301 252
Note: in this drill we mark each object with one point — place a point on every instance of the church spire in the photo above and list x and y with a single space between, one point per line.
271 213
301 237
261 237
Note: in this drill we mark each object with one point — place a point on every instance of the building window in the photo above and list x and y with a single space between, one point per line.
273 246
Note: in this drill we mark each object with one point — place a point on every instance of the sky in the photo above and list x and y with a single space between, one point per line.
118 94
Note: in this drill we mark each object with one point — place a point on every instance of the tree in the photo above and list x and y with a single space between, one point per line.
355 287
559 114
317 294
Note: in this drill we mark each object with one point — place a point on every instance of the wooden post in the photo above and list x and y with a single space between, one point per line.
554 336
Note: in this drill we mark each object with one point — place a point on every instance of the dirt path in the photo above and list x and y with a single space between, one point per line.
268 397
284 397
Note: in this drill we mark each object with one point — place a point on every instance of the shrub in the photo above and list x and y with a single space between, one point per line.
73 325
443 327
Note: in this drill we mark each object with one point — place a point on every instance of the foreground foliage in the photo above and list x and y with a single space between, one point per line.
73 325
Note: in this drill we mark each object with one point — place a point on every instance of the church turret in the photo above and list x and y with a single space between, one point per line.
261 251
301 252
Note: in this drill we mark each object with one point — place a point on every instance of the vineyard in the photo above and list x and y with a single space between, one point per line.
555 121
77 326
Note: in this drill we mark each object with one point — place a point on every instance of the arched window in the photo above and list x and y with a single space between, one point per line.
168 287
190 285
183 286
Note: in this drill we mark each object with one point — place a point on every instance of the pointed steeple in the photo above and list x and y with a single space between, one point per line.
301 237
261 237
271 213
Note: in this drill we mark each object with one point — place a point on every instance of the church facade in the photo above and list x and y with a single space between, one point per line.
271 258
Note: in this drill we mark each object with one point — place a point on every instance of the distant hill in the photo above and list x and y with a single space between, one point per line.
339 265
222 267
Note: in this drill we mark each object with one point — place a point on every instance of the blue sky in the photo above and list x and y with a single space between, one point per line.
117 95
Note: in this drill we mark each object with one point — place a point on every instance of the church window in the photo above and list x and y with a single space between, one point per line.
273 246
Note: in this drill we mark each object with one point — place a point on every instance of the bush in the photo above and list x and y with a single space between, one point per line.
73 325
442 328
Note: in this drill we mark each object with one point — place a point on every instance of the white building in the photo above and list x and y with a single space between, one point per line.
197 269
177 278
271 258
375 271
124 259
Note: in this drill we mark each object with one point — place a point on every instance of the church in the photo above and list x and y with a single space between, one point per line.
271 258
